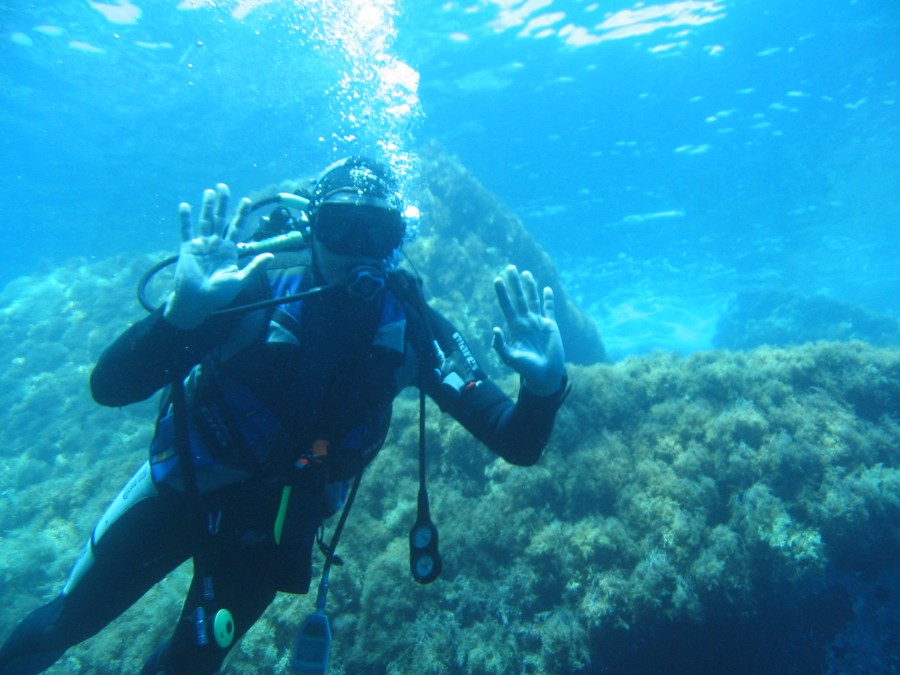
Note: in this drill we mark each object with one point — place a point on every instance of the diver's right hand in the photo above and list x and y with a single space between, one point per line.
208 276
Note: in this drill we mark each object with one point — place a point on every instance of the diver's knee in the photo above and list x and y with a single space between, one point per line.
35 644
138 489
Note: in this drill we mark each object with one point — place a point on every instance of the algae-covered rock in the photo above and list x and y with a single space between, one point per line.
778 318
467 235
729 511
732 495
725 494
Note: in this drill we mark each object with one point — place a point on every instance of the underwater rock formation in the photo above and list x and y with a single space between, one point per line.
739 493
725 512
689 511
776 318
467 233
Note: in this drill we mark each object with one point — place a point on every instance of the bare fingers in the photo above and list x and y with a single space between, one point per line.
213 210
518 293
223 194
184 216
530 292
236 232
549 304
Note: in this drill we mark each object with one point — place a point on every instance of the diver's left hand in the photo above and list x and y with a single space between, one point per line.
535 348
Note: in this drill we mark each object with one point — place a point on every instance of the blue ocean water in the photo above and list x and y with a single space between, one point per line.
668 155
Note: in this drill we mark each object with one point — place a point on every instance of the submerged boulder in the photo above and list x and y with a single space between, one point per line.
738 509
467 235
778 318
729 508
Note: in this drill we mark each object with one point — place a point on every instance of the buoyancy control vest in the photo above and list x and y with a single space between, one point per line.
309 383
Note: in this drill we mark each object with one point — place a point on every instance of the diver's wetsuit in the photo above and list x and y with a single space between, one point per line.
315 376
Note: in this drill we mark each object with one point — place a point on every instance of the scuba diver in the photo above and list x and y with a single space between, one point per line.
277 380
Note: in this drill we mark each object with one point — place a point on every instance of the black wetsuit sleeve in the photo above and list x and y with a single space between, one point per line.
517 431
145 358
151 352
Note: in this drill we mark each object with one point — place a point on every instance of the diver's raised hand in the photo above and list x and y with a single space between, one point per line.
534 348
208 276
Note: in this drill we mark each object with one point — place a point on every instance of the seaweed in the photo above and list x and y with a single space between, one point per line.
747 495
